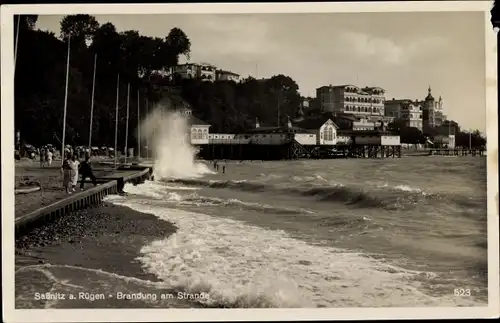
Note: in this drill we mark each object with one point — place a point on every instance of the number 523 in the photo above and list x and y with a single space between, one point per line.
461 292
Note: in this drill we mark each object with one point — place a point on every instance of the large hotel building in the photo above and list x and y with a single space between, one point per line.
410 112
423 115
367 102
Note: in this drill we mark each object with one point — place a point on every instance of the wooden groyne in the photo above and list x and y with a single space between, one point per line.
114 184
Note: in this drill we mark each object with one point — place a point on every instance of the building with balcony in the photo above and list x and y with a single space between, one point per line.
207 72
366 102
203 71
187 71
406 110
222 75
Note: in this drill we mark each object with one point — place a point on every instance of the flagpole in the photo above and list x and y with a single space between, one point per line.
470 139
138 127
116 116
92 103
126 126
17 42
147 137
65 101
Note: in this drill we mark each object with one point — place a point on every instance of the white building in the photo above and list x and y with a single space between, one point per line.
203 71
379 138
367 101
445 140
324 129
198 129
207 72
227 76
187 71
410 112
364 124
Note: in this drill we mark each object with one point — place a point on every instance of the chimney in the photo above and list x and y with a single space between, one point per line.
289 124
257 125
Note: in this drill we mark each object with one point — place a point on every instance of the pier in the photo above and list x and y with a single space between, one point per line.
457 152
113 184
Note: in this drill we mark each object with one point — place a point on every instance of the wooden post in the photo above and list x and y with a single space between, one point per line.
126 126
92 103
116 117
138 127
65 102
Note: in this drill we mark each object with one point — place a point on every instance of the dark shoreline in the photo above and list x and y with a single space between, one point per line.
104 237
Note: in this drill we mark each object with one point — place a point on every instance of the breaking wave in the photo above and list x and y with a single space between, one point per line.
398 197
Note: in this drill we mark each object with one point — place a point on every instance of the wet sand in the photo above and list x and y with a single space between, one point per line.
63 256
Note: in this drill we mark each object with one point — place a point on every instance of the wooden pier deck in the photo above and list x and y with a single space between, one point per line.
113 184
457 152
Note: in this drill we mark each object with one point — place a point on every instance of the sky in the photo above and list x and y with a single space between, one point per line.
402 52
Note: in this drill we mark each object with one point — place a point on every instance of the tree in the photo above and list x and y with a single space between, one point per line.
411 135
176 43
41 73
81 28
396 126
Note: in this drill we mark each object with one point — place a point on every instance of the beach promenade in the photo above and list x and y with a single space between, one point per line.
49 200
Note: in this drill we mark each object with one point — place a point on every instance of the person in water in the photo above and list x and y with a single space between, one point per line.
223 169
86 171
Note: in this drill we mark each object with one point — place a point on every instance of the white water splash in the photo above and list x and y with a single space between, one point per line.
174 156
241 265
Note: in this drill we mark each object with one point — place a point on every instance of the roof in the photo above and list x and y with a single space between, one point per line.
283 129
314 122
363 132
397 100
193 121
346 116
429 96
371 132
227 72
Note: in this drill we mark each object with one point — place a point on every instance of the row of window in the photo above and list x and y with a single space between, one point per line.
363 109
353 90
411 116
411 108
362 128
415 124
199 134
361 99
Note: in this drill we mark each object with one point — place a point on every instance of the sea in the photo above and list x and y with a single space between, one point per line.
393 232
408 231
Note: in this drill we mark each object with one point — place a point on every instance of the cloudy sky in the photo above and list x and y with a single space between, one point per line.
403 53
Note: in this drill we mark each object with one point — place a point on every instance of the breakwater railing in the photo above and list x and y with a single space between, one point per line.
78 201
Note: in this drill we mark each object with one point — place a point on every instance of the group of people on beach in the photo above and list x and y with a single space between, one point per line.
46 155
71 169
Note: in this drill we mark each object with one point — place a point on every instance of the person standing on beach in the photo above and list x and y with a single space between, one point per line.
75 165
49 157
42 158
66 172
86 170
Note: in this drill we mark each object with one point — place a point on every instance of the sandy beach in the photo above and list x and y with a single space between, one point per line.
103 238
